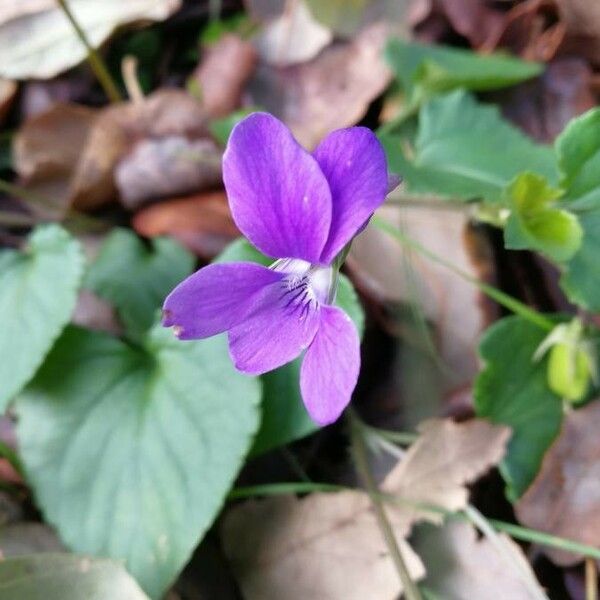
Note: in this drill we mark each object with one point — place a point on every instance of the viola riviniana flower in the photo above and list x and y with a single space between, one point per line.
302 210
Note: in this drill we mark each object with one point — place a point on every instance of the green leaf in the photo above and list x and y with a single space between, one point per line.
136 277
424 69
284 417
578 150
465 150
535 222
512 389
38 290
131 451
221 128
65 577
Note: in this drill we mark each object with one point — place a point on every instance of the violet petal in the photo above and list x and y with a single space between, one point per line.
282 325
215 298
331 365
354 163
278 196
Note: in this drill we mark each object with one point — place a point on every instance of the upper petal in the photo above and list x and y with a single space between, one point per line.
279 197
331 365
354 163
215 298
282 325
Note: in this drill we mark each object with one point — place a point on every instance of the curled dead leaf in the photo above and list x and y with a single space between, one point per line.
564 498
37 41
292 37
169 166
329 92
325 546
462 566
71 154
437 467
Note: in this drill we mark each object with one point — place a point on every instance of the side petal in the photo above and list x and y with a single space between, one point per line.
354 163
282 325
278 196
331 365
215 298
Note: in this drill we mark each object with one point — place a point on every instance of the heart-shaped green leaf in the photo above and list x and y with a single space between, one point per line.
132 450
512 389
464 149
136 277
38 290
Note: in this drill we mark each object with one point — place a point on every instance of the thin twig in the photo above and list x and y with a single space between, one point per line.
129 66
591 579
95 60
362 466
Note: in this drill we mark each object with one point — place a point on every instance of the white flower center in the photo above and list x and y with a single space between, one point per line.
305 282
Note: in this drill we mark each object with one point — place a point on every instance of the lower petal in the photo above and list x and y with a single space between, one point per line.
331 365
215 298
279 328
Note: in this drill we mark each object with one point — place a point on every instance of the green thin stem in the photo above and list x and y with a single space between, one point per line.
278 489
516 531
95 60
361 459
512 304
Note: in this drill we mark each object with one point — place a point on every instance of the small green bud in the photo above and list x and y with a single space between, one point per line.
569 372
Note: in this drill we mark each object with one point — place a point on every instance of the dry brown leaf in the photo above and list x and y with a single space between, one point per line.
223 72
202 222
293 37
544 106
582 20
331 91
161 115
325 546
473 19
437 467
37 41
46 151
71 153
461 566
454 306
564 498
168 166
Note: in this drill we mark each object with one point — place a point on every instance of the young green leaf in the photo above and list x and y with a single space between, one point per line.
578 151
136 277
38 290
424 70
66 577
512 389
131 451
284 417
535 222
464 149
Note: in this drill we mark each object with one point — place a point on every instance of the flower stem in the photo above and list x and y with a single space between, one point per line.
95 60
359 449
512 304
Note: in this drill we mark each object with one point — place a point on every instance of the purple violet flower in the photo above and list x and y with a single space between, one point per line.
302 210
